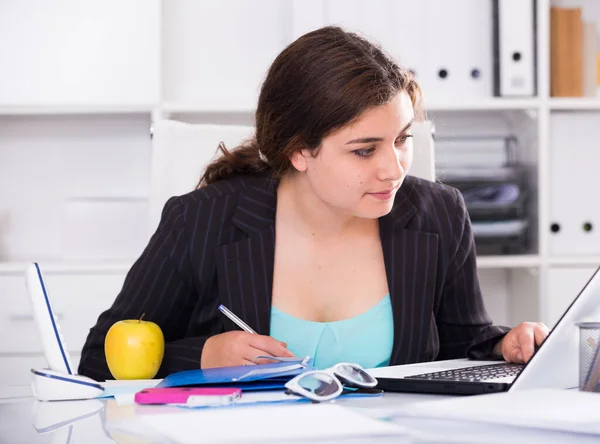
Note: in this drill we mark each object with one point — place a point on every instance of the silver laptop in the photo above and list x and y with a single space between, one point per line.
555 364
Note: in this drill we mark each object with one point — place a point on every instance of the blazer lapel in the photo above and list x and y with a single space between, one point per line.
410 263
245 268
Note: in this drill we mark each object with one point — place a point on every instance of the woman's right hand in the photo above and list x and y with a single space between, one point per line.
240 348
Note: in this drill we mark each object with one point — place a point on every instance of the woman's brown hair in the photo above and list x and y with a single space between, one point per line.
321 82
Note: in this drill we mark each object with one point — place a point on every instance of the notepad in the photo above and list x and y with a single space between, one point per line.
268 424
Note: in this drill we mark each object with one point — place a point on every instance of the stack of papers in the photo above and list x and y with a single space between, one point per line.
548 409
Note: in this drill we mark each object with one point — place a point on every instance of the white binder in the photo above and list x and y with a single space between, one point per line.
514 48
458 48
407 40
574 212
447 44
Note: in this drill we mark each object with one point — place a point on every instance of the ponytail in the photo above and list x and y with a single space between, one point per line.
245 159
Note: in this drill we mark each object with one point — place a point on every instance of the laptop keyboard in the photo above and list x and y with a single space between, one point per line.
502 372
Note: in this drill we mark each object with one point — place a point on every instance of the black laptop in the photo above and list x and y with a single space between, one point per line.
471 380
555 364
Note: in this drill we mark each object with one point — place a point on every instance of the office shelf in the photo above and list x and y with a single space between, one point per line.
508 261
191 108
574 104
75 110
67 267
490 104
575 261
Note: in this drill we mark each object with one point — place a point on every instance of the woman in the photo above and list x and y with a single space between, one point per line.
315 236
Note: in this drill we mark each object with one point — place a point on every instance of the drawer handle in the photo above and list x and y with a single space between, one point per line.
20 317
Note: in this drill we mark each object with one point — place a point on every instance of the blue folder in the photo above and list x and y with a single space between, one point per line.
246 377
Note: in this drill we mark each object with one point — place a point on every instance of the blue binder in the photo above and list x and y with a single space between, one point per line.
247 377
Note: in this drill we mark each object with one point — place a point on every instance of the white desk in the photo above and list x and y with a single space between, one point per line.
19 410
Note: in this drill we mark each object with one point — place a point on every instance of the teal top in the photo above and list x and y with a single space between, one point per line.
365 339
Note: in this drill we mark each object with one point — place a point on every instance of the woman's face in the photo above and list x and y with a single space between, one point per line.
359 168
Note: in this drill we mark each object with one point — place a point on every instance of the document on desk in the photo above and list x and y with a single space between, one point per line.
267 424
548 409
124 390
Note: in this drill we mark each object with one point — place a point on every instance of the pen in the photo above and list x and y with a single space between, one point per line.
235 319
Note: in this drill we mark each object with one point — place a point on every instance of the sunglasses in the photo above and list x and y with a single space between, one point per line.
324 385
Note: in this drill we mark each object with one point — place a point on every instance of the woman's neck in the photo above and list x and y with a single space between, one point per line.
301 209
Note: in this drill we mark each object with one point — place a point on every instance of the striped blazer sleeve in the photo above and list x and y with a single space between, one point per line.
464 326
160 286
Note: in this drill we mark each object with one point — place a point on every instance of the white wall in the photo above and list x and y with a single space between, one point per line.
81 83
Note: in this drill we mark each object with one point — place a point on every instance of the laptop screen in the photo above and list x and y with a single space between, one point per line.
556 363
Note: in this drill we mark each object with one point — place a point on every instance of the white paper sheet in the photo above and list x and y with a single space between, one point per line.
549 409
267 424
126 387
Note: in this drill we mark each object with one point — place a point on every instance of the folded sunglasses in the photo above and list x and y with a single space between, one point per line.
325 385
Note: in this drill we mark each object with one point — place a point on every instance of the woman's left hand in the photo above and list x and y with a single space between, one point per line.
519 344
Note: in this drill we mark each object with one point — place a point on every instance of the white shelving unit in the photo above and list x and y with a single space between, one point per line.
574 104
76 107
65 110
508 261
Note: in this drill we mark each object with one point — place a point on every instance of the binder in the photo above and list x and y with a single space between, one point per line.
449 58
514 53
409 21
246 377
566 52
574 223
457 59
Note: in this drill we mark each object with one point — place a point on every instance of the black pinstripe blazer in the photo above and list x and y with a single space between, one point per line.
216 245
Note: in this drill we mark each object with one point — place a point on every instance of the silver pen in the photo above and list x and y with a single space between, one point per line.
235 319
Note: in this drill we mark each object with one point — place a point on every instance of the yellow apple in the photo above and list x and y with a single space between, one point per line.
134 349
